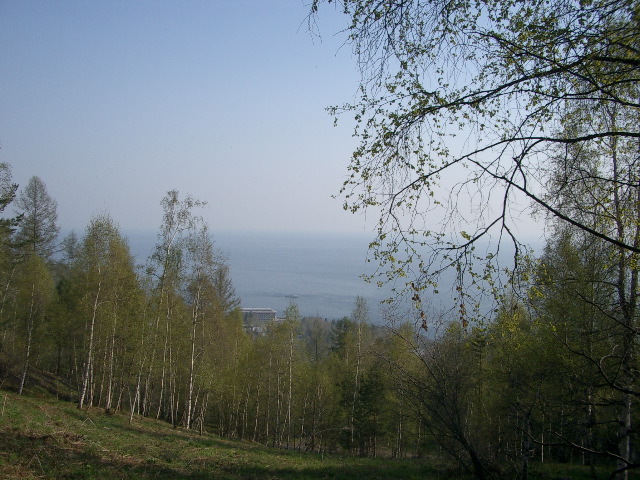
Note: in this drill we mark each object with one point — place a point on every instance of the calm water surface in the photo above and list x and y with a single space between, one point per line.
321 273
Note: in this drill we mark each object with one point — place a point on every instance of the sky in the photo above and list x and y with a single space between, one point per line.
114 103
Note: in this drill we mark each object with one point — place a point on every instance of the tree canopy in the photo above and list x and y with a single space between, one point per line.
38 230
463 105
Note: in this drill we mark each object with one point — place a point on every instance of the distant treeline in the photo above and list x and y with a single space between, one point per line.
550 376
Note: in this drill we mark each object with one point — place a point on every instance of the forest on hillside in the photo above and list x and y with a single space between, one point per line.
547 377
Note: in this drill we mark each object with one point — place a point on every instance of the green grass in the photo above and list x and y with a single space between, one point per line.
43 438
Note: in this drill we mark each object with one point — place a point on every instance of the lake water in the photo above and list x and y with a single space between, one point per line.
320 273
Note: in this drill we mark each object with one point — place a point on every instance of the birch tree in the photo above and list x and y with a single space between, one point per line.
108 286
612 207
166 267
201 296
35 294
460 105
292 325
360 317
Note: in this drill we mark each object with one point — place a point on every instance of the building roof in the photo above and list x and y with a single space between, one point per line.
258 310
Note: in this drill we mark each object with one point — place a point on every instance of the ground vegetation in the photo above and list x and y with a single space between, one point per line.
548 379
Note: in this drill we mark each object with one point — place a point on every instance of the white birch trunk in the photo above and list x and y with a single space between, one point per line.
89 357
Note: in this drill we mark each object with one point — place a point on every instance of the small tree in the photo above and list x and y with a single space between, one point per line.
38 230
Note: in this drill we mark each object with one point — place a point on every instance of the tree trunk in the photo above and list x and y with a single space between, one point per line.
356 384
112 348
194 323
30 322
290 396
88 366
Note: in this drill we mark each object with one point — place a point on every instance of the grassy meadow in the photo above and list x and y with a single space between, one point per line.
43 438
51 439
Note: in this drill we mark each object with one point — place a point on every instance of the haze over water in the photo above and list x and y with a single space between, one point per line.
319 272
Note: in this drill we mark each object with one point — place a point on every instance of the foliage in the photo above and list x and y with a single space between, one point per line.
470 114
461 108
38 230
44 438
550 376
7 195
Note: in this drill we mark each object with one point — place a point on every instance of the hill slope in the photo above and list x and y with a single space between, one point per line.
43 438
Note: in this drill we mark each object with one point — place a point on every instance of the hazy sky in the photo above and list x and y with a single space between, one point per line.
112 103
